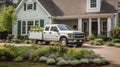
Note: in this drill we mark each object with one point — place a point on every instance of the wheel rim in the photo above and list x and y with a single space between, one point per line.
64 41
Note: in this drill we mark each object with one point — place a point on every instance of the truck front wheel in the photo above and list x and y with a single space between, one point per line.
63 41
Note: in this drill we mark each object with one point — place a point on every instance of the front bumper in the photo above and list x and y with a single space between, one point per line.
80 41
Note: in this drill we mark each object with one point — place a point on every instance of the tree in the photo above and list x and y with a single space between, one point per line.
7 18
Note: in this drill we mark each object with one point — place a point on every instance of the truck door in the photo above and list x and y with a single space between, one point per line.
54 33
46 33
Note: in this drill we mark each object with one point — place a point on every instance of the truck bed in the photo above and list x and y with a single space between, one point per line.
36 35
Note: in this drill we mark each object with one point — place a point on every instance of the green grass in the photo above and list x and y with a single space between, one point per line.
24 64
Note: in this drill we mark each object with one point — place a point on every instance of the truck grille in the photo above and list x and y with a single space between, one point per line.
79 36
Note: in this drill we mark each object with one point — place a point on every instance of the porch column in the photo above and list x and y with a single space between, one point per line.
90 26
80 24
108 26
98 26
115 20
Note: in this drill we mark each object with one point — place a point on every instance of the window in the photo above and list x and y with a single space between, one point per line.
47 28
54 28
23 27
64 27
29 24
93 3
29 6
36 23
26 25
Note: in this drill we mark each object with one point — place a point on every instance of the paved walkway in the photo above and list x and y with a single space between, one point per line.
111 53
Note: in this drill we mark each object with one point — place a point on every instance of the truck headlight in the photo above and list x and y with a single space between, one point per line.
71 36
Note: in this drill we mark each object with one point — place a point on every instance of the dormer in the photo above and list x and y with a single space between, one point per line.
93 5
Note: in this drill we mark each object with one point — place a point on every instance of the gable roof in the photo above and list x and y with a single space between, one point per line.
23 1
76 7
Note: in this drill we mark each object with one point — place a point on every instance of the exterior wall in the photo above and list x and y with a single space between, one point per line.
97 9
31 15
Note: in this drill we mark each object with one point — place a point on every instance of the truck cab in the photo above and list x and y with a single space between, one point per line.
64 34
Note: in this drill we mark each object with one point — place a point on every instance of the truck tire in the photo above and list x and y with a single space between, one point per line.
63 41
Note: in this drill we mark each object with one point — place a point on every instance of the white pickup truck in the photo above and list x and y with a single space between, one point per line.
59 32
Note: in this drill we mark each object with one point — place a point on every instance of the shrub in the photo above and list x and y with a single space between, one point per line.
3 58
16 41
20 50
28 41
18 59
101 36
90 37
35 46
97 61
6 54
74 62
78 54
91 42
86 61
43 59
39 52
104 61
110 43
116 40
62 62
98 41
115 32
51 61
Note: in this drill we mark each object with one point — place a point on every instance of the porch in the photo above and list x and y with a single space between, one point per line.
96 26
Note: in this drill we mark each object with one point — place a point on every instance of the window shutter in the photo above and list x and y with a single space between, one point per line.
19 27
34 5
24 6
41 23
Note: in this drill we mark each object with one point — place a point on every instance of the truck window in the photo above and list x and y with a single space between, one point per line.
54 28
47 28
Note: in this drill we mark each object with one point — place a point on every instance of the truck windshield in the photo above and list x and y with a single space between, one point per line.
64 27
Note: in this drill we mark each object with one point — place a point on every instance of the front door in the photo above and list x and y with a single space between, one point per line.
95 28
85 26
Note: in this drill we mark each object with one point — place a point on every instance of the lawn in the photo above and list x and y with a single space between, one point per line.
24 64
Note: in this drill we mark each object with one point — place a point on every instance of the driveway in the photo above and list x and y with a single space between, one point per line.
111 53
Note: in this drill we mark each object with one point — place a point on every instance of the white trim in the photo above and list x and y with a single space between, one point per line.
98 26
103 15
43 8
26 21
90 26
80 24
108 26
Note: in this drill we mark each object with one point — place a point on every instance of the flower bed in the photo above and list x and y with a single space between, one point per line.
52 55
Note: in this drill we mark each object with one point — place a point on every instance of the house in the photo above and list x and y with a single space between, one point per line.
90 16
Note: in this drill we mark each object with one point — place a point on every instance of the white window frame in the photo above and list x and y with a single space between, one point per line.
26 21
27 6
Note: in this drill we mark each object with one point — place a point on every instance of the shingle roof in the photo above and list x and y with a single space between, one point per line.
75 7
